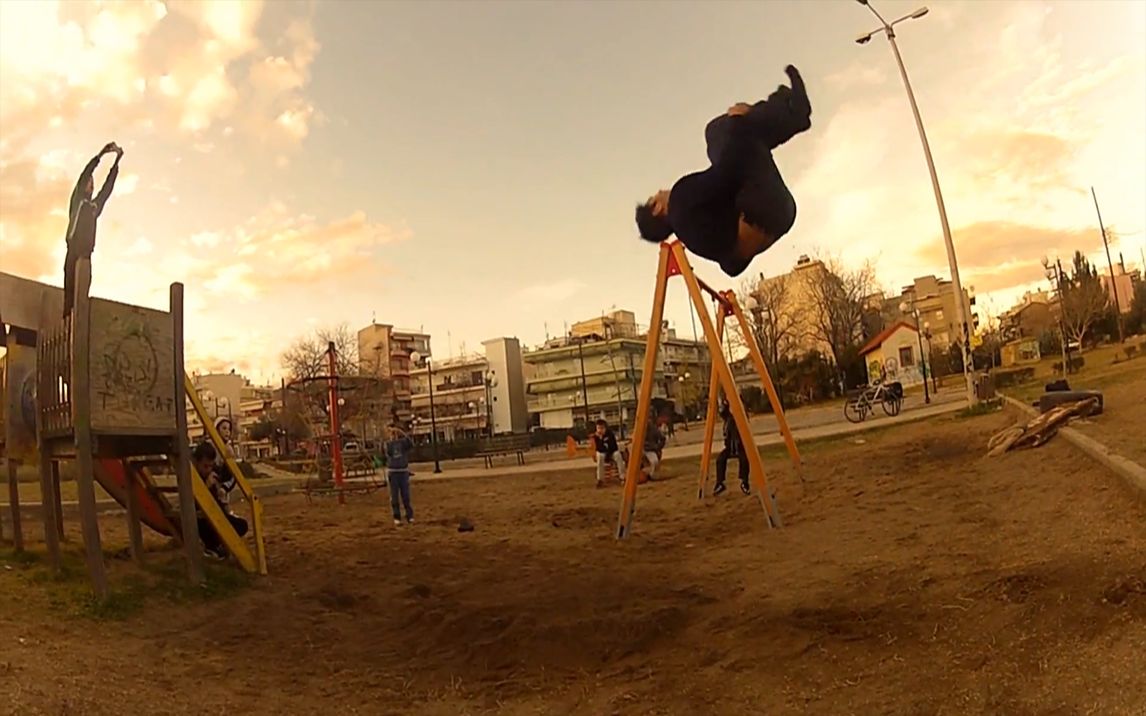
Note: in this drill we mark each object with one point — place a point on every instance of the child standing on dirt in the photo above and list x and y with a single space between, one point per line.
398 447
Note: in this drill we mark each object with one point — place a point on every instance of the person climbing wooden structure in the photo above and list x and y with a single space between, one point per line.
673 261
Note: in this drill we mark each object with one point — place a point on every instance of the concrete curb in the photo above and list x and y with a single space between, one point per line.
1133 474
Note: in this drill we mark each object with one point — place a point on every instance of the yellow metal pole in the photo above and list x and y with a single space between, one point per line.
710 419
756 465
766 380
645 397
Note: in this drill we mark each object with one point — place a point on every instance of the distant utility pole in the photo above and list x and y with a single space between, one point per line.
1113 284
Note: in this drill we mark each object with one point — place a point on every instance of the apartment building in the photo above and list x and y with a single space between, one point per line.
934 298
232 396
797 302
474 395
1034 315
384 352
574 379
1120 288
685 362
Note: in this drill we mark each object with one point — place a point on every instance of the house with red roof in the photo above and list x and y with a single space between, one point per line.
894 354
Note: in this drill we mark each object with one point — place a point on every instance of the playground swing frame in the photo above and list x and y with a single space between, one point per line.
673 261
333 391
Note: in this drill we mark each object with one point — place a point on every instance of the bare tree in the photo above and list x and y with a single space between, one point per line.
1082 297
838 297
771 316
306 356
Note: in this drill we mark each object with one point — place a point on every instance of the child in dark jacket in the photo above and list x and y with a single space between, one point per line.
398 447
733 447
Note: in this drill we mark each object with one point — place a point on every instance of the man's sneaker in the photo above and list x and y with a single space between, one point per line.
409 520
720 487
397 523
745 488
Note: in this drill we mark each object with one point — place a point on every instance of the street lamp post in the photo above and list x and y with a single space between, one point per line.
930 348
584 387
417 357
490 381
919 335
960 308
683 380
1054 274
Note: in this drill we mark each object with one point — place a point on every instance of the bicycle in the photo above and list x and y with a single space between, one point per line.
857 407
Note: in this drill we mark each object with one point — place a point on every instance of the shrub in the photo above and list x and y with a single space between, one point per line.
1008 378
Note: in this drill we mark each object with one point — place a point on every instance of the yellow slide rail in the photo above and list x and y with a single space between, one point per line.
256 562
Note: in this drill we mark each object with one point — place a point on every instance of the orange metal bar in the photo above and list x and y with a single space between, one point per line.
756 465
766 379
335 427
645 397
710 419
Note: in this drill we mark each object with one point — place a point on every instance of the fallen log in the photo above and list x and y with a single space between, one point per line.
1040 429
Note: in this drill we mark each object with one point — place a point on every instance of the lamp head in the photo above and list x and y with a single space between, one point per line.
863 39
918 13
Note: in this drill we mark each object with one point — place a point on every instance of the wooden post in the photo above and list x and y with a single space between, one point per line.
14 505
57 501
134 531
644 399
710 416
187 518
47 385
10 394
766 380
81 425
756 465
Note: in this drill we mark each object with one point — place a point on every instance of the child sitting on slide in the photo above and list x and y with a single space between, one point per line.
203 458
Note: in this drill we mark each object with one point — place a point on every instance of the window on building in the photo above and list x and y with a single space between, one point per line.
939 315
476 377
906 357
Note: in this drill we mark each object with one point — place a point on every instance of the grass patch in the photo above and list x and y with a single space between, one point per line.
162 579
985 407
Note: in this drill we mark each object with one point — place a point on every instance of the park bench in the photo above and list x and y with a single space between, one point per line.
498 445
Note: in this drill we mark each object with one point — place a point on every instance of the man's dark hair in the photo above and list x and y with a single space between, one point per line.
204 451
602 423
651 227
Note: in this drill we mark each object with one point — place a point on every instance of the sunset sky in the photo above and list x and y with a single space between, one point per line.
471 168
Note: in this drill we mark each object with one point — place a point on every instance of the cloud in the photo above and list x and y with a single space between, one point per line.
275 250
856 75
1018 128
996 255
549 292
146 64
991 243
161 74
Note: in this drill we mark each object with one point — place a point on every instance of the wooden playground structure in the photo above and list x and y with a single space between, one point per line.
674 262
106 388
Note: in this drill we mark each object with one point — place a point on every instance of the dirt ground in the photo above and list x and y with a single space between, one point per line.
1125 406
913 576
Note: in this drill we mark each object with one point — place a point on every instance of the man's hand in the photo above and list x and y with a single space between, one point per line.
739 109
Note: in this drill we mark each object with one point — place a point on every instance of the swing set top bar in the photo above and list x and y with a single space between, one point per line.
674 270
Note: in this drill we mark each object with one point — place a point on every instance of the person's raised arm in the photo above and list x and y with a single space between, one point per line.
79 193
109 183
